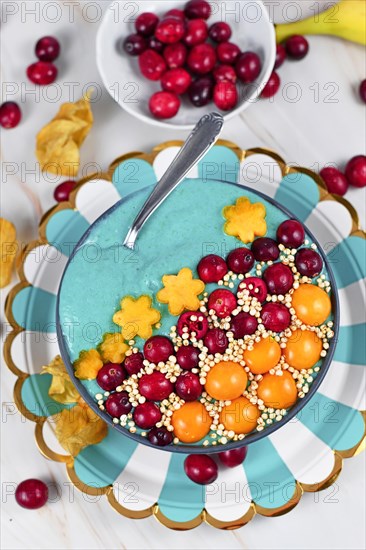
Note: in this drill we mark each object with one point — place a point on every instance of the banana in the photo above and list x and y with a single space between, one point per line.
345 19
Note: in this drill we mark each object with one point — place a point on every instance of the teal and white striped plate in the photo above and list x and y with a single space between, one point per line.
304 455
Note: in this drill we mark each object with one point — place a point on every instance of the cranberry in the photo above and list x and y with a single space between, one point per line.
233 458
248 67
10 114
243 324
164 104
227 52
146 415
216 341
146 23
118 403
272 86
265 250
225 95
308 262
31 494
197 9
240 260
335 181
201 91
291 233
297 46
275 317
256 287
212 268
196 323
63 190
158 348
201 469
224 73
170 30
278 278
201 59
176 81
110 376
196 32
362 90
356 171
160 437
175 55
155 44
220 32
188 386
42 73
134 45
175 13
152 65
280 56
134 363
155 386
47 48
188 357
222 301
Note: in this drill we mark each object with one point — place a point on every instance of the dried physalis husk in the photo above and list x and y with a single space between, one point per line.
9 249
79 427
59 142
62 389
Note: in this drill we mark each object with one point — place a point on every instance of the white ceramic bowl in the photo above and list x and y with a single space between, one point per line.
252 30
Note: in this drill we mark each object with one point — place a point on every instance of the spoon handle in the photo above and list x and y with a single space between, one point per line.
202 138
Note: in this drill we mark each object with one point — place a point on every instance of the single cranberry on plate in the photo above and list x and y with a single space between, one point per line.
308 262
134 363
10 114
175 55
155 386
272 86
158 348
31 494
117 404
248 67
362 90
220 32
275 317
243 324
47 48
195 322
134 45
225 73
197 9
170 30
256 287
63 190
201 91
164 105
188 357
201 469
146 415
280 55
222 301
278 278
227 52
240 260
265 250
160 436
201 59
225 95
188 386
234 457
335 181
216 341
212 268
42 73
291 233
146 23
155 44
196 32
110 376
176 81
152 65
297 47
356 171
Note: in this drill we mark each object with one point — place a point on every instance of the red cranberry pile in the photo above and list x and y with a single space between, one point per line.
354 175
189 56
44 71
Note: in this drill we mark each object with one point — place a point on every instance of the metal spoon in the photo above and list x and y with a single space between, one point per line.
202 138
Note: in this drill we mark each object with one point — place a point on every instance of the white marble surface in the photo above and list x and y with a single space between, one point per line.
308 132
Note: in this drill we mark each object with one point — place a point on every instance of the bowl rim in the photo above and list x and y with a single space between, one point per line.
251 437
174 126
